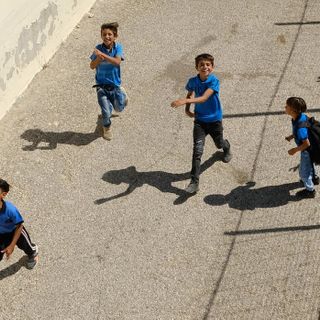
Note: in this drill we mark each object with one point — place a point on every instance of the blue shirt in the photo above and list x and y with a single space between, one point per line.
106 72
9 217
300 134
211 110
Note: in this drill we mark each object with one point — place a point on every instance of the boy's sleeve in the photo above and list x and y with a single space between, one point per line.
215 85
15 216
93 55
119 51
190 85
302 134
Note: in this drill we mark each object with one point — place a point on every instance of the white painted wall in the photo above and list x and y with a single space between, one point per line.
30 33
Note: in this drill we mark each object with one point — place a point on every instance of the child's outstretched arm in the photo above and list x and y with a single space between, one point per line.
9 249
202 99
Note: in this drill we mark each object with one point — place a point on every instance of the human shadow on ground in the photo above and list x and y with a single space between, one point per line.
158 179
246 198
52 139
14 268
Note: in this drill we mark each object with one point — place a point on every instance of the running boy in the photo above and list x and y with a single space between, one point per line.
203 91
106 59
295 108
12 231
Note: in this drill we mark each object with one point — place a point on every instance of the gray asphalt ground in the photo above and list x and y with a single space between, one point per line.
118 237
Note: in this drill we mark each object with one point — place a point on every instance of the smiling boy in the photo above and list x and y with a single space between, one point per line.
106 59
203 91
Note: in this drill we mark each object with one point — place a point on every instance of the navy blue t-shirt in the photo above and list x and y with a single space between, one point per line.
106 72
9 217
300 134
211 110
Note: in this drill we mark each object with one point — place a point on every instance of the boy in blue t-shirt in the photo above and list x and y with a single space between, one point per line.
106 59
295 108
12 231
203 91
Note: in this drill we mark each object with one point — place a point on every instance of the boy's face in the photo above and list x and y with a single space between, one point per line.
289 111
108 37
204 68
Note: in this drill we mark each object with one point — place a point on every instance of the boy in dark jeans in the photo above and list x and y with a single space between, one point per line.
12 231
203 91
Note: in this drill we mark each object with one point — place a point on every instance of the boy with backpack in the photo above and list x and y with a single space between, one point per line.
295 107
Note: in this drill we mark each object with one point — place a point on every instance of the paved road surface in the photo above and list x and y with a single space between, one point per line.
118 238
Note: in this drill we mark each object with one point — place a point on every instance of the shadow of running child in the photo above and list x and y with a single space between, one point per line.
14 268
158 179
246 198
52 139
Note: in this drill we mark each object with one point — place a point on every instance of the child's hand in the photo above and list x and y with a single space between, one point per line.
8 251
289 138
292 151
178 103
99 54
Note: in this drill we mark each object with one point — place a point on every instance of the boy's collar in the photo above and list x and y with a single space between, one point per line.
210 75
114 44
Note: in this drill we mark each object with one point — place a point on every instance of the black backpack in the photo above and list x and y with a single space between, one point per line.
314 137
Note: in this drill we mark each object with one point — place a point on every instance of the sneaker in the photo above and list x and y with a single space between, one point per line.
193 187
227 156
125 93
305 194
32 260
107 134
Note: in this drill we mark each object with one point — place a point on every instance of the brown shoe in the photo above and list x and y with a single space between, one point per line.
107 133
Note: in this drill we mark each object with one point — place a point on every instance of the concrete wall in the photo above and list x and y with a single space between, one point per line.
30 33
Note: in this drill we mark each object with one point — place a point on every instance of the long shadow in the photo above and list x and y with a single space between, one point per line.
52 139
14 268
157 179
272 230
262 114
296 23
246 198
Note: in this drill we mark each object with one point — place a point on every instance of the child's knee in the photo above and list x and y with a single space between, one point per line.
198 147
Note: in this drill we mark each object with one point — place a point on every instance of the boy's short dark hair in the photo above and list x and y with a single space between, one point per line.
204 56
113 26
4 185
297 104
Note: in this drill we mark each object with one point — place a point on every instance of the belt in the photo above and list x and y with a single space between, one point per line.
108 87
